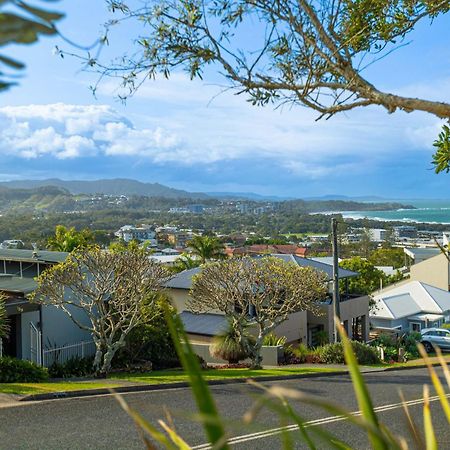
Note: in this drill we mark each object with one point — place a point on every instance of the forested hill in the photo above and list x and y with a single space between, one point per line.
339 205
56 199
117 186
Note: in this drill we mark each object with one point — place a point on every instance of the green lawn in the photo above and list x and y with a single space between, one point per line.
156 377
42 388
173 376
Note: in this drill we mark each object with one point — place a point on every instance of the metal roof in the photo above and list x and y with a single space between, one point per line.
43 256
204 324
183 280
421 253
321 266
409 299
20 285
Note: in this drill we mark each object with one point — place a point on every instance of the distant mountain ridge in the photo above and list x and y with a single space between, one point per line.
115 186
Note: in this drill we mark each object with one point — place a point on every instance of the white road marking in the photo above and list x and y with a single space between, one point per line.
324 420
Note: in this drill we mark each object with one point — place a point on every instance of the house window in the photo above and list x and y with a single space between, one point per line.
415 326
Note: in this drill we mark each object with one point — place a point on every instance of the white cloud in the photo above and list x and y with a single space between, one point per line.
71 131
185 122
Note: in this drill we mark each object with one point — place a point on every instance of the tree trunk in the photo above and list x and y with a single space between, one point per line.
256 356
111 350
98 356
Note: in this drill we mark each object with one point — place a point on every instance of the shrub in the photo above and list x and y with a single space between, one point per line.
272 340
446 326
227 345
14 370
334 353
73 367
295 355
149 342
409 342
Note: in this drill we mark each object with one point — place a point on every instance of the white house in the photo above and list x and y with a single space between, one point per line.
410 307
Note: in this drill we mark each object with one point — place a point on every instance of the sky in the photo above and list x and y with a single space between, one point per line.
190 135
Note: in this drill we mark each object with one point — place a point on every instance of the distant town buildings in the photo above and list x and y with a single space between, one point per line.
140 233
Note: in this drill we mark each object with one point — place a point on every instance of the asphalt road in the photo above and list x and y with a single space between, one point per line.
100 423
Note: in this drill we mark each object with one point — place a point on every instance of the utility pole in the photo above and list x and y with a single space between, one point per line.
336 306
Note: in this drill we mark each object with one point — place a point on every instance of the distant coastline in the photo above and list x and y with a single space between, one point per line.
417 215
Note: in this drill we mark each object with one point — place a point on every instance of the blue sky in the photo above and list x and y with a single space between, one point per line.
180 133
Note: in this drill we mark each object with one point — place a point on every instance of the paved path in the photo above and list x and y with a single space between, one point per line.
99 423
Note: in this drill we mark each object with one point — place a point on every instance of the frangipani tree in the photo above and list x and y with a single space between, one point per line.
4 326
113 290
263 292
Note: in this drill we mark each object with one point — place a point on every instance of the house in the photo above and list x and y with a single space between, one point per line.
302 326
418 254
143 233
34 328
434 271
410 307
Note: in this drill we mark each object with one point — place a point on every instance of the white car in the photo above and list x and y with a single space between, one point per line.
438 337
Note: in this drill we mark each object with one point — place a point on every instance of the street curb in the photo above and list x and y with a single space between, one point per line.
184 384
169 386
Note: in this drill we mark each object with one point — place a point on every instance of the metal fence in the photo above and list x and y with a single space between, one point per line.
62 354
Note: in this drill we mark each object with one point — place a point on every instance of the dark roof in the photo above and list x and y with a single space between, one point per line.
204 324
183 280
43 256
321 266
20 285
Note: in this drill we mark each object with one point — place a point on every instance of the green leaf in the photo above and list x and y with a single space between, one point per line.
361 391
11 62
48 16
202 394
17 29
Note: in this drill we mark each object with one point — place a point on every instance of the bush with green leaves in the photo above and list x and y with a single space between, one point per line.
228 345
272 340
296 355
334 353
73 367
14 370
150 342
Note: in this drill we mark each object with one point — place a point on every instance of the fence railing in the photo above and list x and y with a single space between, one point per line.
62 354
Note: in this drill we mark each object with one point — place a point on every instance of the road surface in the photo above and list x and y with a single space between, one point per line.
99 422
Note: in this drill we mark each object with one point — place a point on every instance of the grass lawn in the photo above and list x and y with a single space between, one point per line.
156 377
42 388
173 376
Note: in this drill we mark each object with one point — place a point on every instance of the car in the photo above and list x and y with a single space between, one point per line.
439 337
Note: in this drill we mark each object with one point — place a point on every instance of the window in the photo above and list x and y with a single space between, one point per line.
415 326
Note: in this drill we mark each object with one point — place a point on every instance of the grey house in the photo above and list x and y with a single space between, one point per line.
301 327
34 328
410 307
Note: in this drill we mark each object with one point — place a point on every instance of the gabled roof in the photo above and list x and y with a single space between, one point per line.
43 256
411 298
183 280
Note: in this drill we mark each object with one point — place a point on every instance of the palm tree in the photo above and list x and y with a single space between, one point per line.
185 262
206 248
228 345
68 239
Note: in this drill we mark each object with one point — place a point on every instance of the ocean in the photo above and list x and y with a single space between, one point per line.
428 211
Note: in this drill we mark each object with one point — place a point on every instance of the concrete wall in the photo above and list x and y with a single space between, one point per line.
295 328
434 271
271 355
